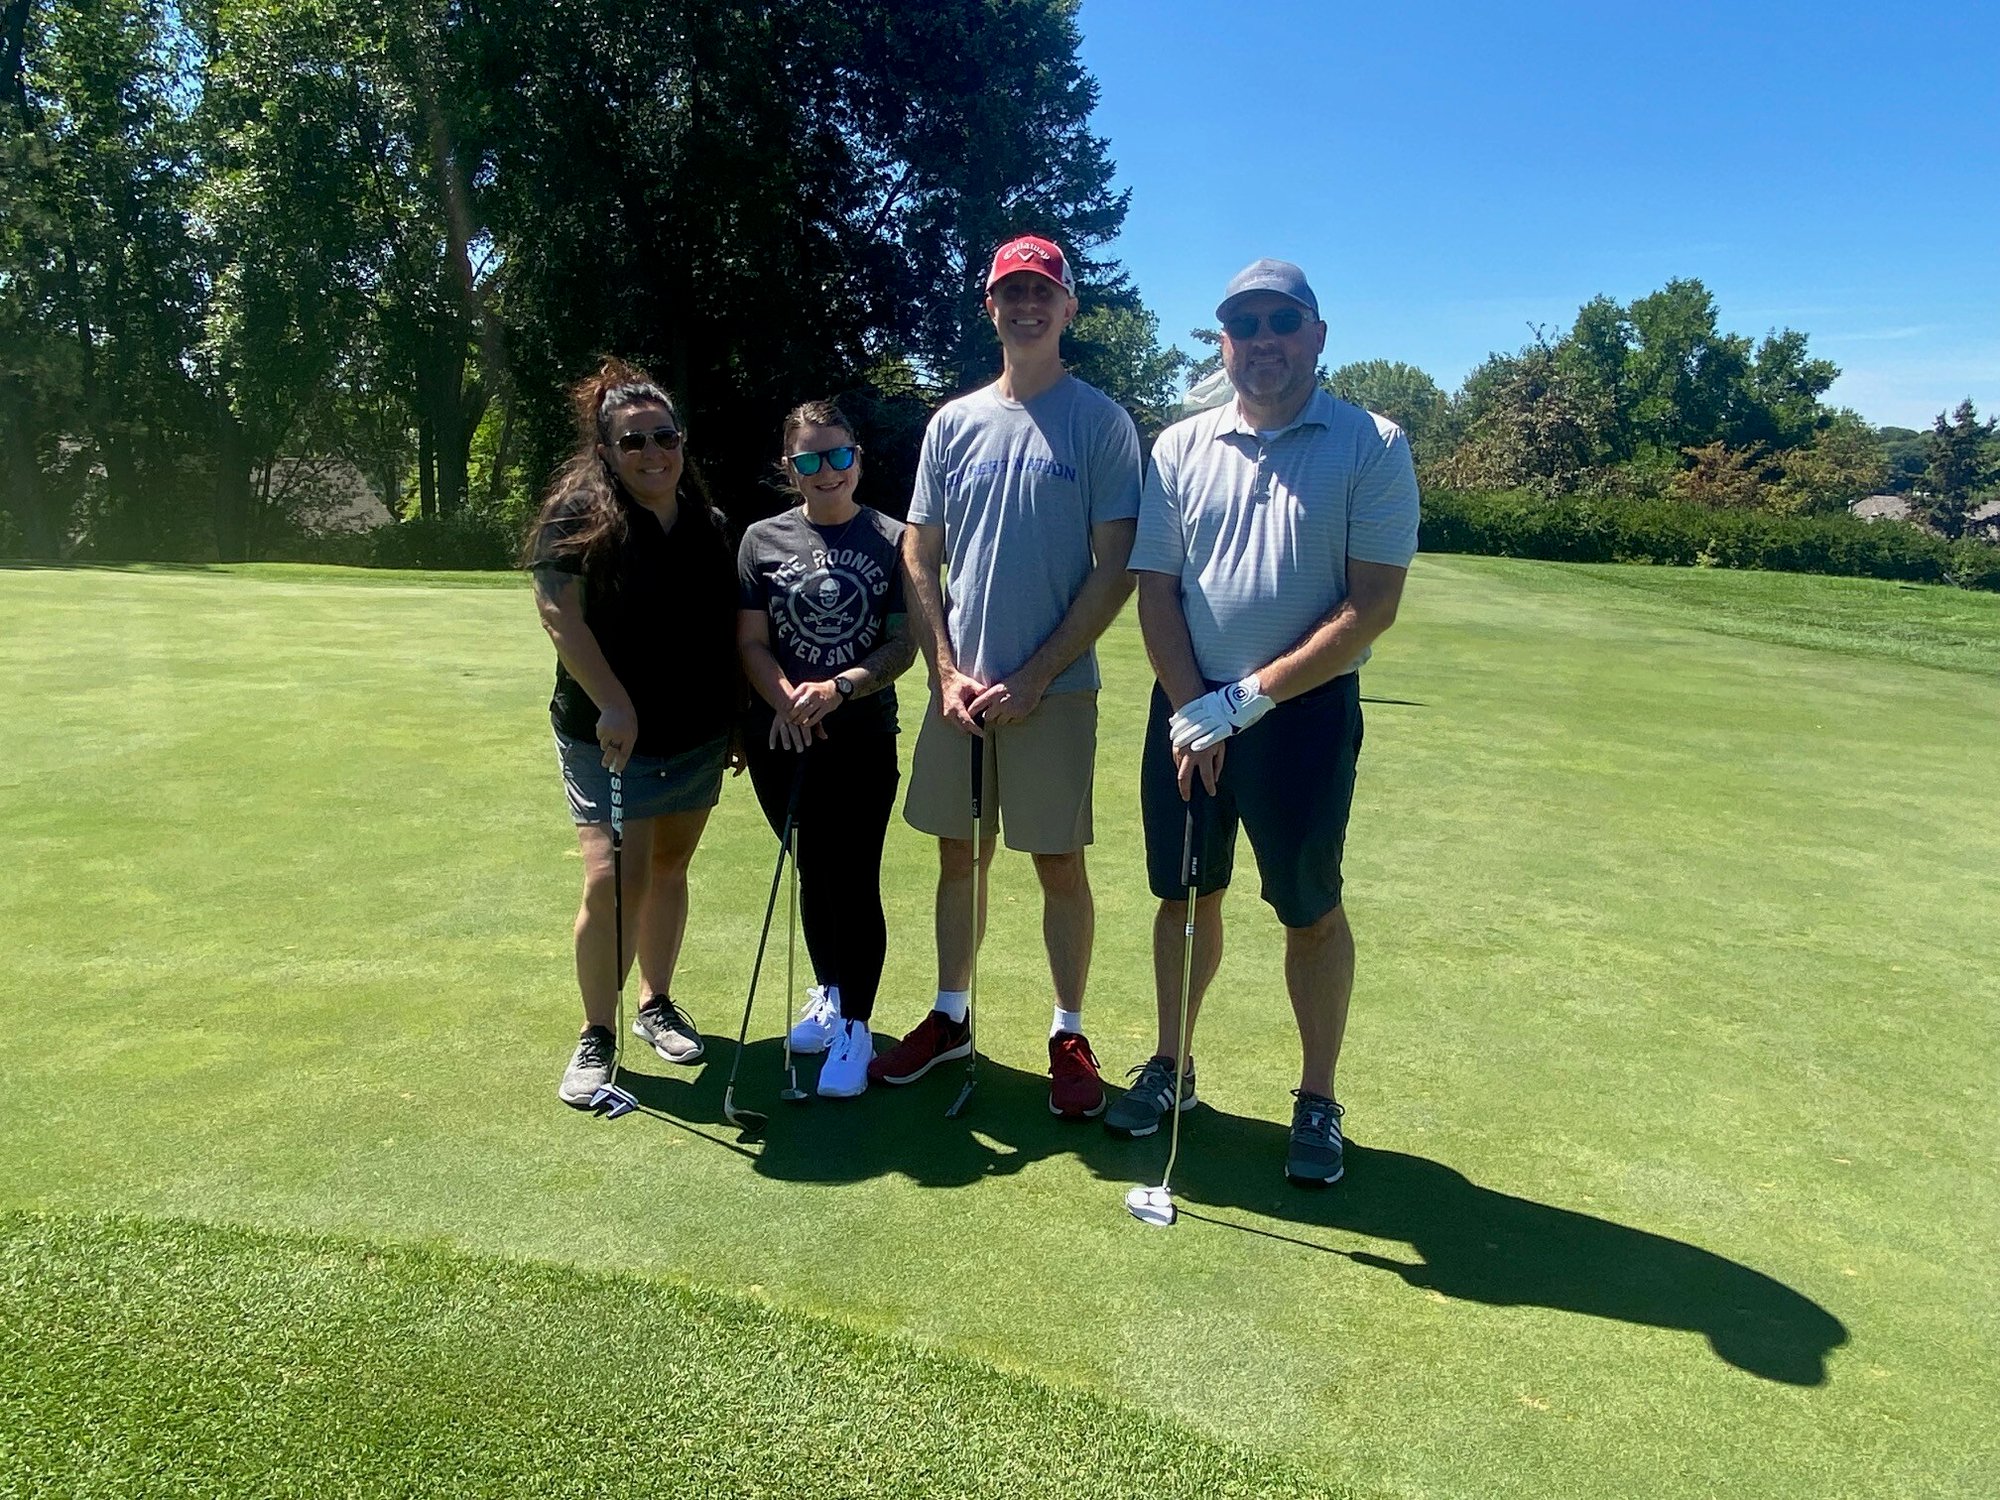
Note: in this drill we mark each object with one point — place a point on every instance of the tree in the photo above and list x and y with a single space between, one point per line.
1529 425
1842 463
1402 393
1117 349
1960 467
1718 475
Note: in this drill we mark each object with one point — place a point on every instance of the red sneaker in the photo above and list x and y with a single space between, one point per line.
1075 1090
937 1039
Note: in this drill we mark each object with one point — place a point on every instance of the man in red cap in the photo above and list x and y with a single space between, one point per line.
1026 499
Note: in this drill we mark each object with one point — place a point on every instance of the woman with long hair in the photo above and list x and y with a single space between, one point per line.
823 635
632 576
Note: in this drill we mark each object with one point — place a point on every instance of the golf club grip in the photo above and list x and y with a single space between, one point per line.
617 808
1190 837
978 780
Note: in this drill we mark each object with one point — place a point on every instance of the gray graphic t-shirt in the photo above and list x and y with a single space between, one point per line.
829 592
1017 487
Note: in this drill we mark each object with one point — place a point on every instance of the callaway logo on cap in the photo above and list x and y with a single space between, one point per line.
1031 253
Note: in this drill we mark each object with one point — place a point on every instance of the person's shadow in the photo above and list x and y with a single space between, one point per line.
1469 1242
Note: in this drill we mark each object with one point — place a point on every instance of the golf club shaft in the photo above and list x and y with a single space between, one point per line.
770 909
791 948
1191 870
618 916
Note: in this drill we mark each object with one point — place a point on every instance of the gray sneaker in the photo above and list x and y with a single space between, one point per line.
1148 1097
1314 1157
589 1069
669 1029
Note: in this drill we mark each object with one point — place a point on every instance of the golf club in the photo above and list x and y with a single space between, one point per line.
972 985
791 1093
613 1100
750 1119
1155 1205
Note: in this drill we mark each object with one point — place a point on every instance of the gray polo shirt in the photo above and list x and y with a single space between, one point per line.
1017 487
1258 527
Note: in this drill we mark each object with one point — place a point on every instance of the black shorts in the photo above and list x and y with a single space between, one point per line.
1288 779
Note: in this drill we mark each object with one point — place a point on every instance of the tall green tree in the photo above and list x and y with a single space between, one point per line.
1961 468
1402 393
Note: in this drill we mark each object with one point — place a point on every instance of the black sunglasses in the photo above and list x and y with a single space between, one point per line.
1285 322
807 464
667 438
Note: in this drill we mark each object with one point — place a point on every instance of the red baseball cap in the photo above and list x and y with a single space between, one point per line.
1031 253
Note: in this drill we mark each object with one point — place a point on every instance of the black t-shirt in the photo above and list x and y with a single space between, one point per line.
829 592
662 608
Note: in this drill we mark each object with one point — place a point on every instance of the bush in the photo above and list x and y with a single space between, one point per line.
1599 529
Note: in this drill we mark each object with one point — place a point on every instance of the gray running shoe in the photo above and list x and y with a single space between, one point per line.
1147 1099
669 1029
589 1069
1314 1157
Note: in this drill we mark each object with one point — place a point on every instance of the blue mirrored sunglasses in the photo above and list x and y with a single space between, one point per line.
807 464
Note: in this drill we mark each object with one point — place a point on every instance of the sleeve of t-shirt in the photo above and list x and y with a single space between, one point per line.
1115 467
1382 507
749 587
892 601
1161 546
927 496
564 520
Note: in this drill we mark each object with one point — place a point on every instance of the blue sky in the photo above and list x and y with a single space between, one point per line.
1449 174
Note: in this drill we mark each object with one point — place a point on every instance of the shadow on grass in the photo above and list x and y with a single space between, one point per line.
1470 1242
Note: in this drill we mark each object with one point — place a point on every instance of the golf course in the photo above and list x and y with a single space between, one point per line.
1672 1084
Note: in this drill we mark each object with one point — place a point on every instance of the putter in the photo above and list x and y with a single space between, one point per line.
791 1093
750 1119
1155 1205
613 1100
972 986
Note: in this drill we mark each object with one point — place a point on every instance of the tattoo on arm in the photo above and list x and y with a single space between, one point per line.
553 585
887 661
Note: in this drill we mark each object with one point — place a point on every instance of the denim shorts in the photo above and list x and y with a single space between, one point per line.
655 785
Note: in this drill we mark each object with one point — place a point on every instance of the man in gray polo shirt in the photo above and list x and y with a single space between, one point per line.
1274 537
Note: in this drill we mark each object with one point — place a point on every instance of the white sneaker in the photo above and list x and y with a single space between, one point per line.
845 1071
817 1028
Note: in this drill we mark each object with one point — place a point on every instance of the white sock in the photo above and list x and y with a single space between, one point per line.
1066 1020
953 1003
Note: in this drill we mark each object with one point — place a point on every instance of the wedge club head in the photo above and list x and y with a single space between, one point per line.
613 1101
1151 1205
746 1120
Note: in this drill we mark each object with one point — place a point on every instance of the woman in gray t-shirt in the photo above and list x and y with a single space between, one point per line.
821 629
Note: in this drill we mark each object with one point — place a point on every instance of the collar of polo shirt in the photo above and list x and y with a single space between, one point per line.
1317 412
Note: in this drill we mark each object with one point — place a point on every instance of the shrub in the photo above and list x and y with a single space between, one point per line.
1604 529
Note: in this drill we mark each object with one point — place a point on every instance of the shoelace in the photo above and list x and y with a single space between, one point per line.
665 1013
1317 1118
1161 1085
594 1051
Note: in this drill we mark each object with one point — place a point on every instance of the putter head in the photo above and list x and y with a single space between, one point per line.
1151 1205
613 1101
964 1097
745 1120
793 1095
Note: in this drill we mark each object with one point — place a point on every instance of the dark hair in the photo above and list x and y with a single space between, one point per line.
585 501
809 414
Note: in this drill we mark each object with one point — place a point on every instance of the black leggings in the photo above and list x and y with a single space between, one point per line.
844 807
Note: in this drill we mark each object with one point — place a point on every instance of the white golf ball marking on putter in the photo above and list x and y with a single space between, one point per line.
1151 1205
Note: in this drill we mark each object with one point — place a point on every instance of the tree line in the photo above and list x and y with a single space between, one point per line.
248 244
256 252
1654 400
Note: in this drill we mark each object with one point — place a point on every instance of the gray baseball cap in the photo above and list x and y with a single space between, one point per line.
1279 276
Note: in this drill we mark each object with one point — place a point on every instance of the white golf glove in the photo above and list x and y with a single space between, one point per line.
1214 717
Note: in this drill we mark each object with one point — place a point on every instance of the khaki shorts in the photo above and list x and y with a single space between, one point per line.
1037 773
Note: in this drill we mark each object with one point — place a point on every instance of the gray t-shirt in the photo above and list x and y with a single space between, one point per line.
1259 526
1017 487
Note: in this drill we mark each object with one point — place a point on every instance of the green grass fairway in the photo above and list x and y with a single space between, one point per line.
1672 1083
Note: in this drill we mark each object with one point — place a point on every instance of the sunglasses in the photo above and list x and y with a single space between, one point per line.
807 464
1285 322
665 438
